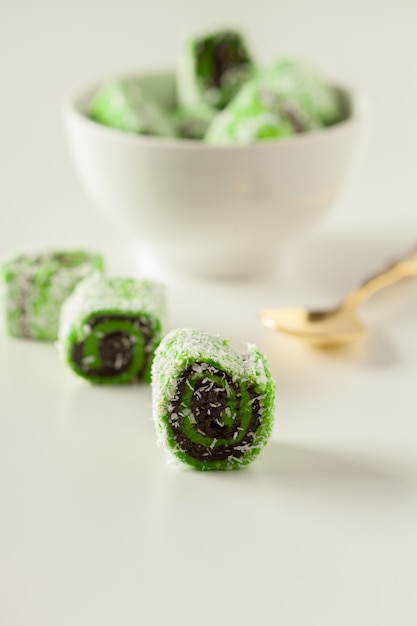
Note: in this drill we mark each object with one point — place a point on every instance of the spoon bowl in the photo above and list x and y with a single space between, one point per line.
335 327
319 328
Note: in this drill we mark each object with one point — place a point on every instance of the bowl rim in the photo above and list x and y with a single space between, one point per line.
72 108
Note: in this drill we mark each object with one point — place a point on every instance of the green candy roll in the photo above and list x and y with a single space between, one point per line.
193 123
213 408
34 287
305 86
124 105
110 327
258 113
212 69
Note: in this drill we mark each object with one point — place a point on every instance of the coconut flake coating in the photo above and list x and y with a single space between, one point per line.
126 106
212 68
213 408
34 286
258 113
305 86
110 327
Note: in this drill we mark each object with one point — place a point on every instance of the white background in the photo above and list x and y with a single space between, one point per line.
95 528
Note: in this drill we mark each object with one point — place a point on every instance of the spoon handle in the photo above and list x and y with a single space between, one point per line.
396 271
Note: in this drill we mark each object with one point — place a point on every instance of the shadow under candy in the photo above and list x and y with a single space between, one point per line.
284 462
375 351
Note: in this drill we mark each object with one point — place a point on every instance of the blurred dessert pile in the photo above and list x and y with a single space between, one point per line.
224 97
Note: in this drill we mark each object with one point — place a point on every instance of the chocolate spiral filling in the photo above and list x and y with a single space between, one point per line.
219 54
208 403
116 348
222 61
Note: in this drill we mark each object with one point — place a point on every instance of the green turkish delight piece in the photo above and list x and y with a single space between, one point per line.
212 69
258 113
126 106
305 86
213 408
110 328
34 286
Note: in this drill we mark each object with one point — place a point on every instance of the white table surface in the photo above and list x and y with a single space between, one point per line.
96 529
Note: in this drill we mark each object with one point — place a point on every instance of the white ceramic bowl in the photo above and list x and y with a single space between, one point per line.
212 210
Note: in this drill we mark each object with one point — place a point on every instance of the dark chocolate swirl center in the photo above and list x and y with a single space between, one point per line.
116 348
209 402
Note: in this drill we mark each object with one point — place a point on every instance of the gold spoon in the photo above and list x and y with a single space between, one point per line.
334 327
